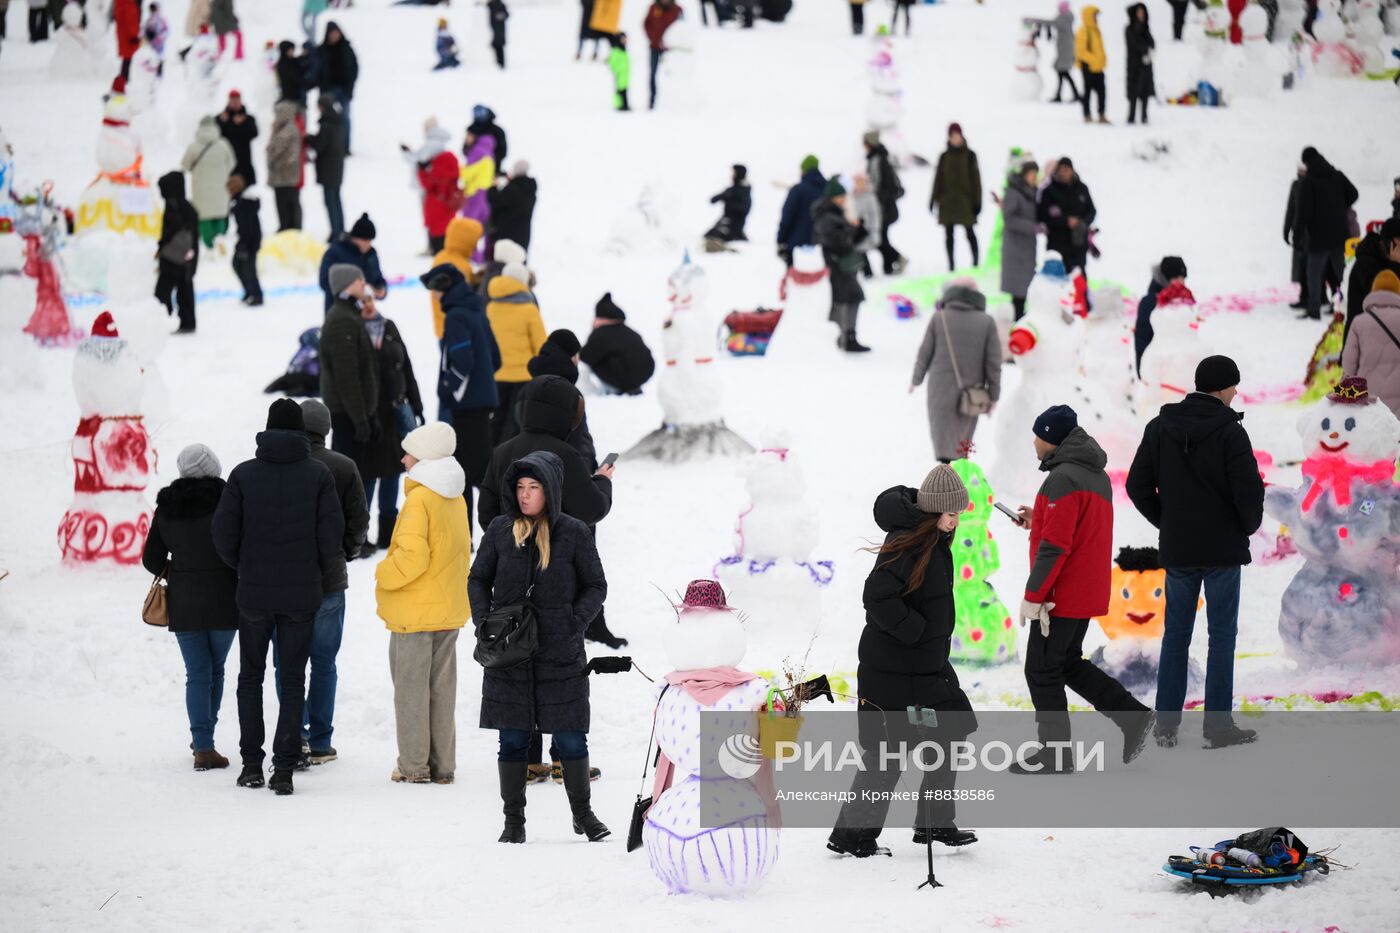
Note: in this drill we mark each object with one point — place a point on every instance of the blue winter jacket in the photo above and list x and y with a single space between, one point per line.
344 251
795 227
469 356
1142 331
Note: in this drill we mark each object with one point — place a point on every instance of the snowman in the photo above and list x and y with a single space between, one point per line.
41 227
804 293
11 247
1264 67
204 69
1044 344
119 199
885 104
1334 54
112 455
1028 83
77 52
1135 622
130 290
705 645
1103 395
1169 362
1371 41
691 386
1343 606
983 633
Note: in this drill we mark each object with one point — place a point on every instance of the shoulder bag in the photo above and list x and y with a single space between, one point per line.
153 610
509 635
643 804
972 400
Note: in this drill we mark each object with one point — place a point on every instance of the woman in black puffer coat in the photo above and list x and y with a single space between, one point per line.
1138 39
200 595
534 548
909 617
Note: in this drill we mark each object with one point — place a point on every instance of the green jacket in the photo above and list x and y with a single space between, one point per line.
957 188
349 367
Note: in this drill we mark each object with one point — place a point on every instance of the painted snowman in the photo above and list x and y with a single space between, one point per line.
1343 606
983 633
119 199
885 103
112 455
77 52
1334 54
1136 621
732 859
1028 83
1103 394
41 226
1169 362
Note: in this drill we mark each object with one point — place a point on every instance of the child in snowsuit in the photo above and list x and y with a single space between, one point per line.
244 211
446 48
621 67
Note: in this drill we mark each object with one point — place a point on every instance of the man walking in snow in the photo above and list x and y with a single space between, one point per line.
660 16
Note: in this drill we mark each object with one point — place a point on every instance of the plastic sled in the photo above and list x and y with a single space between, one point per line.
1235 877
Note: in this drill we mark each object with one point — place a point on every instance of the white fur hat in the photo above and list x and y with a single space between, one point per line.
508 251
517 271
433 441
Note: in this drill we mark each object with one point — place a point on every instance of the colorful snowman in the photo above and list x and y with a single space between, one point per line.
1029 85
1104 393
1169 362
885 104
1136 620
41 226
984 633
1343 606
112 455
704 646
119 199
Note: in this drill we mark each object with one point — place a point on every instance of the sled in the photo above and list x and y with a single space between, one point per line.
1225 878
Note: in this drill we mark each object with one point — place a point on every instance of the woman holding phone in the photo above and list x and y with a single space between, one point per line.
909 616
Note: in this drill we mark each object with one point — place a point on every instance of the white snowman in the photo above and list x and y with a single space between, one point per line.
1104 393
1169 362
1334 54
1343 606
1264 65
113 458
1028 84
146 325
1371 40
884 105
77 52
732 859
204 69
119 199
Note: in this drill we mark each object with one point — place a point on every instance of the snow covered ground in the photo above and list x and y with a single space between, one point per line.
104 826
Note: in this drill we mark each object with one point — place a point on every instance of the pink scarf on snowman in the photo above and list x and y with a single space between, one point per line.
1336 474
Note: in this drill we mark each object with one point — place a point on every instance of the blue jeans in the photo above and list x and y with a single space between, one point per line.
515 745
1222 586
319 710
204 654
388 496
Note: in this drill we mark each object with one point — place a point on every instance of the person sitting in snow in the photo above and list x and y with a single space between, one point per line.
620 360
737 200
446 48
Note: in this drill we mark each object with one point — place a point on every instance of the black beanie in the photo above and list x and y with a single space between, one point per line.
363 228
564 339
285 415
1054 424
1216 374
607 310
1173 267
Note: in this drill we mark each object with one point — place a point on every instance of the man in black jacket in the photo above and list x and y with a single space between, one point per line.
349 366
1324 201
513 206
338 70
240 128
279 524
1195 478
317 719
330 143
737 200
833 231
615 352
1375 253
1067 210
884 181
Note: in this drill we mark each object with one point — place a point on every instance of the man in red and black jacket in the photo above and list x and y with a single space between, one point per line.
1071 530
660 15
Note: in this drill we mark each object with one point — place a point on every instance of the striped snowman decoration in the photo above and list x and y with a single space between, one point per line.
732 859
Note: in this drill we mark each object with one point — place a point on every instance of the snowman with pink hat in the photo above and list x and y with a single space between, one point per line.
705 646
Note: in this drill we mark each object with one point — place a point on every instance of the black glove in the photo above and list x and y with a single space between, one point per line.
608 664
364 433
784 254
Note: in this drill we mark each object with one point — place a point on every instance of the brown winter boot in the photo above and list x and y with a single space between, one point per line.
206 761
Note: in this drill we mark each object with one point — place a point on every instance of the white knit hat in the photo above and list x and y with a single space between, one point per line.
506 251
517 271
433 441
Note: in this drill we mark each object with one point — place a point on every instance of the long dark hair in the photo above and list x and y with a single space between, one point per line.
921 540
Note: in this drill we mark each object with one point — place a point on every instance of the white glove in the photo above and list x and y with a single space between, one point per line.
1038 611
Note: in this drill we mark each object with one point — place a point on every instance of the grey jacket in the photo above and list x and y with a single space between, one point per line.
284 147
1064 42
1018 237
977 348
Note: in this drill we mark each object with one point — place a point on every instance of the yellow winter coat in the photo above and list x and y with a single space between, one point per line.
458 244
421 584
1088 42
516 322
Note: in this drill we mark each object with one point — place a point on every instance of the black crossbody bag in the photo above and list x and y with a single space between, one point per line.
509 635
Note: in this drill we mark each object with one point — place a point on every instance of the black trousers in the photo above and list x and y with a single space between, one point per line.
245 266
888 254
506 424
1093 84
1178 17
1018 306
622 99
293 633
894 20
971 242
500 51
1133 103
343 441
864 819
473 429
177 282
1056 662
857 18
38 24
655 64
435 243
288 200
1063 78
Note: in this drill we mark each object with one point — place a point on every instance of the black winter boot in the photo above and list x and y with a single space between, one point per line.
576 779
251 776
855 843
281 783
512 774
947 835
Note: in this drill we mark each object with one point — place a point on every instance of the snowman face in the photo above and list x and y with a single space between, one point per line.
1360 433
705 638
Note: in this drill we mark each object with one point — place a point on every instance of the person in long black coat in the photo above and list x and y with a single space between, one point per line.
513 206
400 410
534 548
330 144
240 128
615 352
199 595
1138 38
1323 214
175 279
904 648
337 70
837 236
1067 210
1298 270
737 200
291 74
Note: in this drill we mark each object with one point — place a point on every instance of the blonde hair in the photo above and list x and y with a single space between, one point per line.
525 528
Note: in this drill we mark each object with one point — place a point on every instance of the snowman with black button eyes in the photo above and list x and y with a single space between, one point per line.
1343 606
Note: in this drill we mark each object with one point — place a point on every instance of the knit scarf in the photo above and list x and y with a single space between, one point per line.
375 327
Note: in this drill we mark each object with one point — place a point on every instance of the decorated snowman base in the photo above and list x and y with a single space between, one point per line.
107 205
1133 662
726 861
1330 616
681 443
104 526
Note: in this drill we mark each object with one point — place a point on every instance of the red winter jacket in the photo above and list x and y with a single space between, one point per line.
127 13
659 19
1072 531
441 196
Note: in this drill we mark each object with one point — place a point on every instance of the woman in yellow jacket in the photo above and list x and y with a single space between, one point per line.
1092 58
458 244
519 331
421 591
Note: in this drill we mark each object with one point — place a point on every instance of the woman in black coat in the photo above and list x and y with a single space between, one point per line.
177 250
400 411
534 549
200 594
909 617
1138 38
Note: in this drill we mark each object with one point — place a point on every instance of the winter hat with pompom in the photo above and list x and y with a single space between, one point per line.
197 462
607 309
434 441
363 228
942 491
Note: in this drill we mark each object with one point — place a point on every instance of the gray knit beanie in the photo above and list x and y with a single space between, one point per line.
942 491
317 417
198 462
341 276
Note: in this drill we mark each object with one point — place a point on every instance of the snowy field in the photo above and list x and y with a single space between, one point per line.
104 827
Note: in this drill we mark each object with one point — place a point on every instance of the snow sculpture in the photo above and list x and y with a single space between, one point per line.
1104 390
119 198
885 103
1136 620
130 291
1028 85
41 225
1169 362
1343 606
112 454
983 633
704 646
77 52
1334 54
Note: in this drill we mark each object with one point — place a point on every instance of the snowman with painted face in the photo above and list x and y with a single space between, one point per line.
704 645
1344 604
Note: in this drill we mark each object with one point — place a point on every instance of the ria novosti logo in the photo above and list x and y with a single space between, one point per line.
740 756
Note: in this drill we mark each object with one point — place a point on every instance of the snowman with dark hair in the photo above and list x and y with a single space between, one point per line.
1343 606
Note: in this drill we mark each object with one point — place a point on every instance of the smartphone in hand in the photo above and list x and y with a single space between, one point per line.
1014 516
609 460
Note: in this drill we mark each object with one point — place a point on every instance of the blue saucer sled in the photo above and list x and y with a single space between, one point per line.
1262 857
1229 876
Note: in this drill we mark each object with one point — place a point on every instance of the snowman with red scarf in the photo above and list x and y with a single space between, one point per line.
1343 606
731 859
113 458
1169 362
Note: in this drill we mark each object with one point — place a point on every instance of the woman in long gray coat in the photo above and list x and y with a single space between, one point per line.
1019 228
961 341
1064 52
533 551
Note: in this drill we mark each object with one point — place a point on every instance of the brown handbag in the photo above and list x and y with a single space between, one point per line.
153 610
